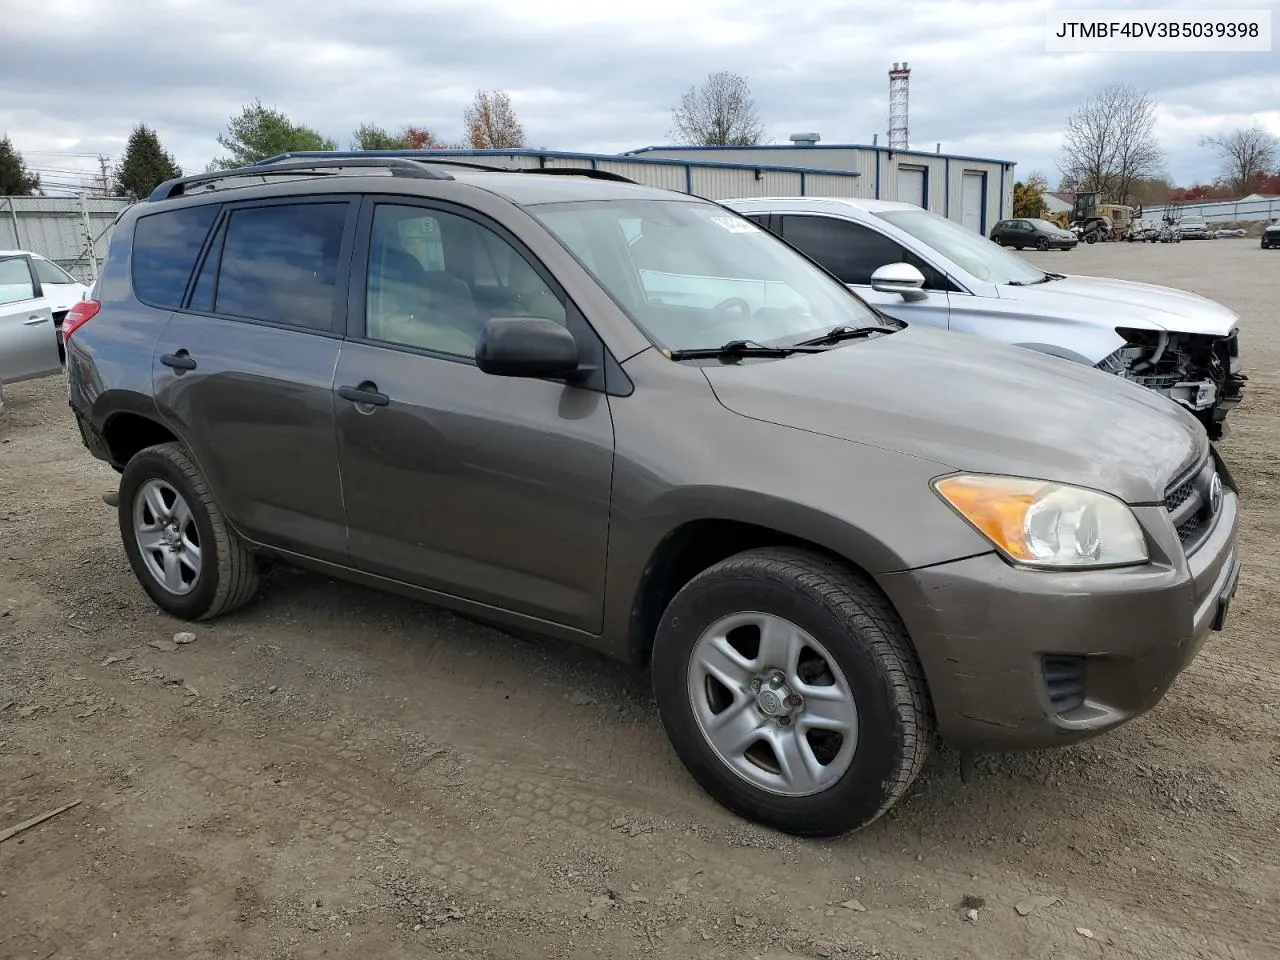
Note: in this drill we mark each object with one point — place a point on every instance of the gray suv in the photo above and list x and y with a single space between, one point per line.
634 420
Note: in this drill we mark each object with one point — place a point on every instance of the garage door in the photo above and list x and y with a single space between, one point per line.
971 191
911 185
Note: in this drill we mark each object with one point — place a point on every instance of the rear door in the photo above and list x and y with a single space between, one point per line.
28 340
853 252
244 369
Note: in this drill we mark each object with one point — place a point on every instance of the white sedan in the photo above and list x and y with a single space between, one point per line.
35 295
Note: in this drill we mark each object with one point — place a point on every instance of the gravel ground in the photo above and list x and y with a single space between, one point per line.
333 772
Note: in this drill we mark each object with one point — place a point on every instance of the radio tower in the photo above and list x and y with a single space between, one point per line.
899 77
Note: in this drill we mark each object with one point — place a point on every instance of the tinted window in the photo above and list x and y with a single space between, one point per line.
165 247
50 272
202 295
436 278
851 251
280 264
15 280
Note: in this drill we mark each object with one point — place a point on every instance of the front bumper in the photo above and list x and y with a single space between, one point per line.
1019 659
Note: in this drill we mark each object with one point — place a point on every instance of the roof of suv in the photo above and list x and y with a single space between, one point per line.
290 171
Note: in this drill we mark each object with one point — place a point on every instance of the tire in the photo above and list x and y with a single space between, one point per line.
222 577
874 664
1042 244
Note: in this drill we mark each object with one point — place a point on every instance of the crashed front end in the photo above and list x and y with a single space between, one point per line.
1201 372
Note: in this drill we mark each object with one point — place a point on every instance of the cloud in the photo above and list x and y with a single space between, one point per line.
597 77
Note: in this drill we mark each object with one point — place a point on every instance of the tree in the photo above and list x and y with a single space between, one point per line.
720 113
15 179
491 122
1247 157
260 132
1110 143
1028 198
145 166
420 138
372 137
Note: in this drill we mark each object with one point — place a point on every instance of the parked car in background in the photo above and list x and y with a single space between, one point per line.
1194 229
1271 235
632 419
1229 232
1027 232
61 289
923 268
28 338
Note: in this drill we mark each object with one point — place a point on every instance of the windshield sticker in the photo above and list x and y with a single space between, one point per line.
734 225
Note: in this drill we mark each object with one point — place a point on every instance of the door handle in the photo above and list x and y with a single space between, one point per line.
32 321
178 361
365 394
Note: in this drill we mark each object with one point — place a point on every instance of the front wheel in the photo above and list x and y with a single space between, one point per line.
1042 244
790 690
182 550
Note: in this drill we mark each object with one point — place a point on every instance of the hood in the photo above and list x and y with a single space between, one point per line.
969 404
1121 302
1271 228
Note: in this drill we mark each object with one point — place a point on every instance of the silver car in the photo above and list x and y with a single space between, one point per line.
28 336
923 268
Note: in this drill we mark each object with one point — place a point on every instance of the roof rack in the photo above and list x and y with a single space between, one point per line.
422 156
275 167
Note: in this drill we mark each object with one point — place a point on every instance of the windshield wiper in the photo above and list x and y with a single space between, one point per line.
740 348
1031 283
846 333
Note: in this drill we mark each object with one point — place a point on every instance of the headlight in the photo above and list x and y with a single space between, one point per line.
1043 524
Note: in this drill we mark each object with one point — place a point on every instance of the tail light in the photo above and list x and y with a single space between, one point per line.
78 316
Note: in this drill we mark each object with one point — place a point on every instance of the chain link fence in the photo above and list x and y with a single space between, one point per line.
71 231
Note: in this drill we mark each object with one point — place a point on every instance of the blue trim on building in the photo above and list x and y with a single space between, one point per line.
986 196
828 146
802 191
688 179
593 164
571 155
877 175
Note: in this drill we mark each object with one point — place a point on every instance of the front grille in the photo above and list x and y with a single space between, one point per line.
1189 502
1064 681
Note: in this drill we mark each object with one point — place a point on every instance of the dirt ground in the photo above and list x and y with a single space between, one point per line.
333 772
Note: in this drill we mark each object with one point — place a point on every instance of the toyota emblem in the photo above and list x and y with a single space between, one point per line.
1215 493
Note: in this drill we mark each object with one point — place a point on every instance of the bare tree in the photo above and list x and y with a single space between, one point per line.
720 113
1247 156
491 121
1110 143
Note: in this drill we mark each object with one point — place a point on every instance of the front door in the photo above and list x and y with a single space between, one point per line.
28 340
853 252
492 489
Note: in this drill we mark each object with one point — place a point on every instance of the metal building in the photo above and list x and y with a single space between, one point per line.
64 229
711 179
974 191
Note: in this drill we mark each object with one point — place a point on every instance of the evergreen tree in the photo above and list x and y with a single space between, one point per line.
145 166
15 179
260 132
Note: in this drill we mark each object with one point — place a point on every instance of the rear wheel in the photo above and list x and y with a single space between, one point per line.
790 691
179 544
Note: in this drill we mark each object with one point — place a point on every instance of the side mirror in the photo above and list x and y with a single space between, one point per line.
526 347
900 278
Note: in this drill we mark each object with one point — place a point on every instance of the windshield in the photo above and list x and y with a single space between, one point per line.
971 251
693 275
1045 225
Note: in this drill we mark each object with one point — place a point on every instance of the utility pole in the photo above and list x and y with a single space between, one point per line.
106 177
87 226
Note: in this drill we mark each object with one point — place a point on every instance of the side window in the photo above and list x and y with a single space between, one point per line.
16 283
849 250
280 264
436 278
165 248
50 272
206 282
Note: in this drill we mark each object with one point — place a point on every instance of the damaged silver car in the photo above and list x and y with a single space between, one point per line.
923 268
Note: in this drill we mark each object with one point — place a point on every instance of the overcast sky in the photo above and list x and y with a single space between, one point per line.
76 75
